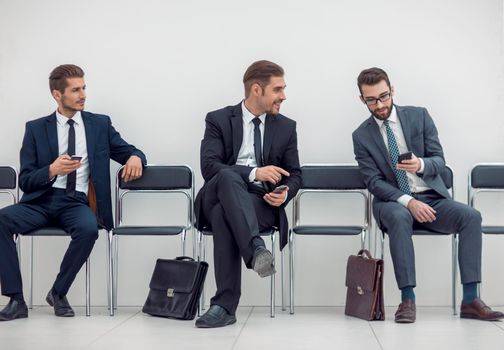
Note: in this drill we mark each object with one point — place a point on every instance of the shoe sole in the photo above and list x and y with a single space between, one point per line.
264 264
15 318
405 320
230 322
475 317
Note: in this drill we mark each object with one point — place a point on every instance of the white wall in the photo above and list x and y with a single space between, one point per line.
157 67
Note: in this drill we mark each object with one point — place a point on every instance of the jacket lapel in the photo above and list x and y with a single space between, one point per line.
237 130
377 137
90 136
269 135
52 135
405 125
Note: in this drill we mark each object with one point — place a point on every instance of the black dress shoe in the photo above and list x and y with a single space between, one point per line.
60 303
262 262
216 316
14 309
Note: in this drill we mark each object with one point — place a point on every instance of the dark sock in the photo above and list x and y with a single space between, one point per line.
17 296
470 291
407 293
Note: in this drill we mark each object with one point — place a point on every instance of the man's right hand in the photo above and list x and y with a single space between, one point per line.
63 165
421 212
270 173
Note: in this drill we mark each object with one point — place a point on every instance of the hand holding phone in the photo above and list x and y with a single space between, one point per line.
76 158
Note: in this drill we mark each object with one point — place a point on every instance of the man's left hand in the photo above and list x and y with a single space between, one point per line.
410 165
276 199
132 169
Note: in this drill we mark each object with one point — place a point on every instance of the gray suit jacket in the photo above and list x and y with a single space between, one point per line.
374 162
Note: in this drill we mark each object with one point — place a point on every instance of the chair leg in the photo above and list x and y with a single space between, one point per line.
17 239
30 288
454 272
116 269
272 292
88 287
109 273
282 278
183 242
291 271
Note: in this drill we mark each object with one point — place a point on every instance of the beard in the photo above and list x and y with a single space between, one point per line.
76 107
386 110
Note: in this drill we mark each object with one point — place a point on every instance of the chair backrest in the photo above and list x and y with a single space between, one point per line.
158 179
485 177
332 178
9 182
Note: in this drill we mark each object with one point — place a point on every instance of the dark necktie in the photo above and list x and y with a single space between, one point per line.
401 177
72 177
257 141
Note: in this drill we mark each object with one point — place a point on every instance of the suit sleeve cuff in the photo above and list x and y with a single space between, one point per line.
404 200
252 175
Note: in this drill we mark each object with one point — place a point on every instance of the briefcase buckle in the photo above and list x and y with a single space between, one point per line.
170 292
359 290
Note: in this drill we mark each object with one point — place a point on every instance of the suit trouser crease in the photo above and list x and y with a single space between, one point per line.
56 209
451 216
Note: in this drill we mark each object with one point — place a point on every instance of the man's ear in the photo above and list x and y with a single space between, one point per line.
56 95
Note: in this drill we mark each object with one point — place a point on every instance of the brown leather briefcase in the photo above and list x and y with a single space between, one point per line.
364 281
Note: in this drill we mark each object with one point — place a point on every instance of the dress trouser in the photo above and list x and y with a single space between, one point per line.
54 208
236 213
451 217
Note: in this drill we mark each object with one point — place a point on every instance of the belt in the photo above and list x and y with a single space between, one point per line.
427 192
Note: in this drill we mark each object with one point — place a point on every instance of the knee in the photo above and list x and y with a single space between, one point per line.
88 232
396 217
228 176
472 215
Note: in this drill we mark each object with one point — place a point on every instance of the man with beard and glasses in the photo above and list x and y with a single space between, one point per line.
65 168
247 151
411 193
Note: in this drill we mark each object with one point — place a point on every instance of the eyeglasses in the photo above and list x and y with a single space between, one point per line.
371 101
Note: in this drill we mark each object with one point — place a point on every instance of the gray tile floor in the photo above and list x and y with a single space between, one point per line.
309 328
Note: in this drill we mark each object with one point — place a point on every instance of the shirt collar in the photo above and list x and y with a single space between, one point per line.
392 118
62 120
248 117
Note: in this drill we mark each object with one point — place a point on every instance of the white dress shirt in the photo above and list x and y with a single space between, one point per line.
246 155
80 150
416 183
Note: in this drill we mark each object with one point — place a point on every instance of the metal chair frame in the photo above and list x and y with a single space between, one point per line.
113 242
296 217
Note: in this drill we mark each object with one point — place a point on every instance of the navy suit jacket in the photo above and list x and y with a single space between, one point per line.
221 145
373 157
40 149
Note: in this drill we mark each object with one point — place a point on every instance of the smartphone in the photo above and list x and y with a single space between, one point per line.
76 158
280 189
404 156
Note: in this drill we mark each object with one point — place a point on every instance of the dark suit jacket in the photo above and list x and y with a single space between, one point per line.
421 138
40 149
221 144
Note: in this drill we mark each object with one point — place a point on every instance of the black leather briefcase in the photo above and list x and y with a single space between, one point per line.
175 288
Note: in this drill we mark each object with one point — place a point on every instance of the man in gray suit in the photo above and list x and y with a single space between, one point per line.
411 193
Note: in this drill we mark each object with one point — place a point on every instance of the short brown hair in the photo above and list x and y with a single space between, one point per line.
372 76
260 72
59 75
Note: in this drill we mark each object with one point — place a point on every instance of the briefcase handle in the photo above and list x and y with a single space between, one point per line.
184 258
365 254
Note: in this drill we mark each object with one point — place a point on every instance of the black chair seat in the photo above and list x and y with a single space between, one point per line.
267 232
493 230
47 231
328 230
148 230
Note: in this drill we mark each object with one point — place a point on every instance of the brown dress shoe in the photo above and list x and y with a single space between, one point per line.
480 311
406 312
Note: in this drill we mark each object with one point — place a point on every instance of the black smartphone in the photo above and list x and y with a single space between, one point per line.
279 189
404 156
76 158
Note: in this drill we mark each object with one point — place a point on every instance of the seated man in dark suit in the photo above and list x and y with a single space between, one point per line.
412 193
61 156
239 199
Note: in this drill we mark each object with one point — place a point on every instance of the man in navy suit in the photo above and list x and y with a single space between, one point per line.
247 151
65 158
411 193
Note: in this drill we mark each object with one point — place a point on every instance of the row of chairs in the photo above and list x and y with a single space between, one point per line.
327 179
